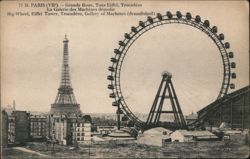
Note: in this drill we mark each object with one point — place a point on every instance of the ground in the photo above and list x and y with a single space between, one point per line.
236 148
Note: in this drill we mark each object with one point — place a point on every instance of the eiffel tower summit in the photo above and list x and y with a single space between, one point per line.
65 102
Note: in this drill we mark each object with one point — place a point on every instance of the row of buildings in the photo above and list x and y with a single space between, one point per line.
20 127
64 123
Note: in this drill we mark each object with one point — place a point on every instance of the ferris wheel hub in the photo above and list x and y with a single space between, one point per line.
166 73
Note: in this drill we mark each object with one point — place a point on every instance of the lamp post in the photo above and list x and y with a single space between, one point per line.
118 115
118 112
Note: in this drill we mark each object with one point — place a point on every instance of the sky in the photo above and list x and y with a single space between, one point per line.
32 48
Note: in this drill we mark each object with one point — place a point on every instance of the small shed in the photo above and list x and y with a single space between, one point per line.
191 118
190 136
181 136
155 136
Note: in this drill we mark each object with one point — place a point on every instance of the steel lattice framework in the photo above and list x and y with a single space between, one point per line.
151 23
65 92
65 102
165 92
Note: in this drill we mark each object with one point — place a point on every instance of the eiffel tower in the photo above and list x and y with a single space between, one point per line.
65 102
166 92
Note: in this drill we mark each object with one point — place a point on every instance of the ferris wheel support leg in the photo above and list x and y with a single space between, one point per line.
152 111
159 111
179 111
174 108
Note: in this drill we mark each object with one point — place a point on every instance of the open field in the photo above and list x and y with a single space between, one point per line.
236 148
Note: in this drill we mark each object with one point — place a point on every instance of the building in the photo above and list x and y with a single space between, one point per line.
4 128
50 126
191 118
103 123
190 136
38 127
106 129
233 109
62 130
81 131
71 129
65 102
19 129
11 129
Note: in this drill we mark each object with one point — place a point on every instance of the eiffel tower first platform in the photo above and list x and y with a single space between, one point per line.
65 102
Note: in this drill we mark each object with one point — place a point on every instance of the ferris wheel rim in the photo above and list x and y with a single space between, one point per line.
155 22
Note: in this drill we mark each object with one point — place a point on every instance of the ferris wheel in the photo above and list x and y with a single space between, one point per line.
152 23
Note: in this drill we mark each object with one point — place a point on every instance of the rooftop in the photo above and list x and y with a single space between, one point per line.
195 133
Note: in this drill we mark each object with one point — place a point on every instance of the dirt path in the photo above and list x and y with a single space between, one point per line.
30 151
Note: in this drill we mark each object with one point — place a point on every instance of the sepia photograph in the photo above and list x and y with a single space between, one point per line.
124 79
